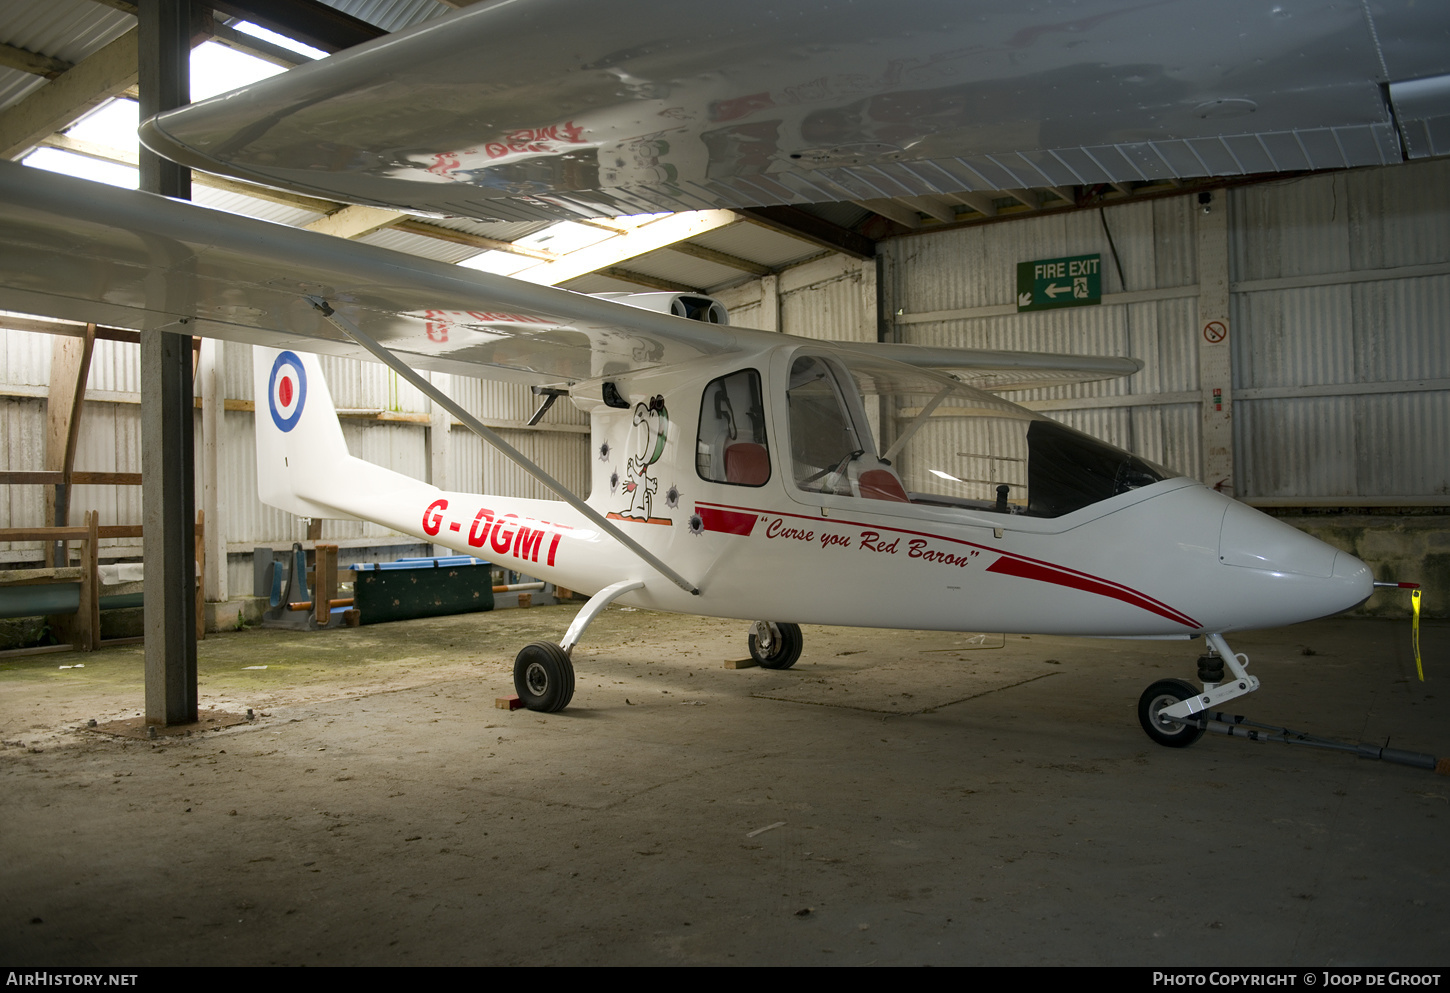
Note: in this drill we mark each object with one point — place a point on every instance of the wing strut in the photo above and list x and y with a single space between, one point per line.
437 396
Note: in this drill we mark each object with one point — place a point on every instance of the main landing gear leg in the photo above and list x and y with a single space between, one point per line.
1175 715
543 673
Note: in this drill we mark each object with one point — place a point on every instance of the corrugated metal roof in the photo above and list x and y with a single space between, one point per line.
497 230
16 86
68 30
392 15
240 203
420 245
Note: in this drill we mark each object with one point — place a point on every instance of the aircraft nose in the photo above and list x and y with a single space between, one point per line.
1310 579
1351 570
1252 540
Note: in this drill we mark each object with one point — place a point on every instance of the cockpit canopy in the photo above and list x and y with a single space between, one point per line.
885 431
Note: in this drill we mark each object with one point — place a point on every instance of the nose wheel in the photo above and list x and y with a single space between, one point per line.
1164 730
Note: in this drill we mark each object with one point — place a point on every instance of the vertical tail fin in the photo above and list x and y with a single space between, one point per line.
300 448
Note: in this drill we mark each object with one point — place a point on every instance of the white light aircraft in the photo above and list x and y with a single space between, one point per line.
736 473
740 473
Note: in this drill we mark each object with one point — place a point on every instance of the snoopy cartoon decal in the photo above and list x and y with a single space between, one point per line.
649 431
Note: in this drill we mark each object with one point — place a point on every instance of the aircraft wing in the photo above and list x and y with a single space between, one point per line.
997 370
556 108
83 251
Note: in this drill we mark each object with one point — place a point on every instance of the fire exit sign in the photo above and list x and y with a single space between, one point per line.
1045 284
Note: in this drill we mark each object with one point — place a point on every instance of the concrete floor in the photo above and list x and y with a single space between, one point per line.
897 798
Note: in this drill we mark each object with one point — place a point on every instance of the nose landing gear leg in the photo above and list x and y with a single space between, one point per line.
1174 714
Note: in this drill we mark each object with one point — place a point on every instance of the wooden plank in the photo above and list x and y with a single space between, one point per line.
39 650
69 96
121 531
20 477
32 62
42 534
324 589
70 365
38 577
106 478
87 622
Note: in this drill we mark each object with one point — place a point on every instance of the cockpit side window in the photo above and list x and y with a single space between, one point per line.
731 446
832 450
823 439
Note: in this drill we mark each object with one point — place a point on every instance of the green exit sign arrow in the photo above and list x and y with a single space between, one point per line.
1046 284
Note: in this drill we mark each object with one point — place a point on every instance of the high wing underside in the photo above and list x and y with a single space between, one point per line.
555 108
82 251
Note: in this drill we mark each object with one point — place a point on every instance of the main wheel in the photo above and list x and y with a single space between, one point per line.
1159 697
544 677
775 646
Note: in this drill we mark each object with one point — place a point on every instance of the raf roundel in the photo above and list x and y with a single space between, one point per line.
287 391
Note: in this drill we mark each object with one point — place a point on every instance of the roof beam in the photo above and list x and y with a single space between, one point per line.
648 237
307 21
640 279
32 62
240 41
266 193
982 203
428 230
70 95
906 216
355 220
1026 198
809 228
121 156
720 258
938 207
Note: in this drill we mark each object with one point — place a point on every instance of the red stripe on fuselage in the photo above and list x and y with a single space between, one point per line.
1009 565
1006 564
727 521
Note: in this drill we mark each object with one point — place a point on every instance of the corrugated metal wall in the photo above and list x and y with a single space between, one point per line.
958 289
832 299
109 440
1341 352
1342 358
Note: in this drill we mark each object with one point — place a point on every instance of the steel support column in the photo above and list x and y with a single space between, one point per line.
167 462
